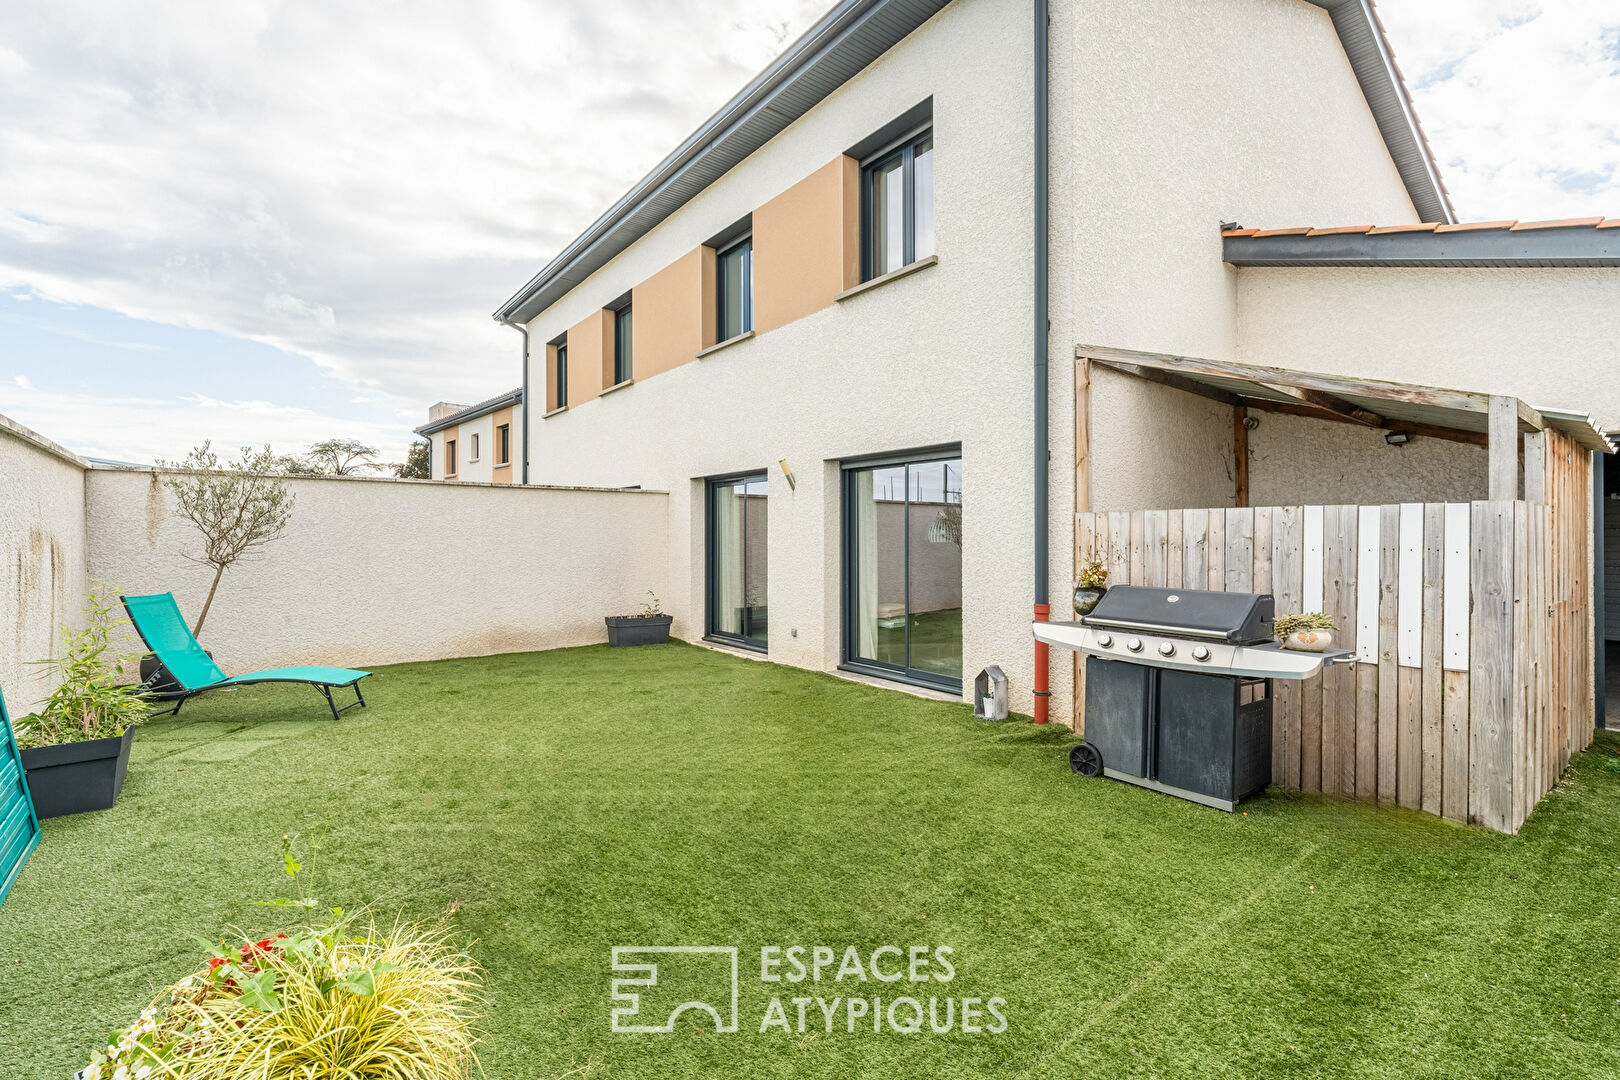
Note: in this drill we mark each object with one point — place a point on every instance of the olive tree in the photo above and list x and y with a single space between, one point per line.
238 507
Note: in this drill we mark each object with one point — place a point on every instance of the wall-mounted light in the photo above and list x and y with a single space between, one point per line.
1398 438
793 484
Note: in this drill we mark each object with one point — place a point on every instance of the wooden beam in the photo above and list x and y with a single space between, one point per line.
1171 379
1432 431
1082 436
1503 446
1437 397
1240 456
1529 418
1328 403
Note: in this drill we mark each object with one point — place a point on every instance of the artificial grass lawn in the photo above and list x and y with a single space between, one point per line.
560 804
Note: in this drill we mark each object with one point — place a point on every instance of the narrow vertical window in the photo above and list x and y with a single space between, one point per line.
503 445
734 274
738 558
473 456
450 457
623 365
561 387
897 203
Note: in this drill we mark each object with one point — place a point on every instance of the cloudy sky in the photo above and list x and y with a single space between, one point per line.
283 220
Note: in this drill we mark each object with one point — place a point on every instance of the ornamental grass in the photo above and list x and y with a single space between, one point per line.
321 1003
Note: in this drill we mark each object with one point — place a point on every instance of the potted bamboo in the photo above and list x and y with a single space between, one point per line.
650 626
75 748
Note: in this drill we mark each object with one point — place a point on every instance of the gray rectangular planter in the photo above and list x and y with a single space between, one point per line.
626 630
71 778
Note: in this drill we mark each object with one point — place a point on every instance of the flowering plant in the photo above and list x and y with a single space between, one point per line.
323 1001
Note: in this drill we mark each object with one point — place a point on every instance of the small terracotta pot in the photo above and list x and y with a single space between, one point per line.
1310 640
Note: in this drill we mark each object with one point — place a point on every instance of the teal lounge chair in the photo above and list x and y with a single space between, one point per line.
157 619
19 826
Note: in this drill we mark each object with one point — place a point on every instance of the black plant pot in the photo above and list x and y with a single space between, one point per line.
71 778
1086 599
626 630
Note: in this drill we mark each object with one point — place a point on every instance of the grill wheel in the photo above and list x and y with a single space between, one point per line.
1085 760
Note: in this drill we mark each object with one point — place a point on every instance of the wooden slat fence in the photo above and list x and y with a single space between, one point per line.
1471 623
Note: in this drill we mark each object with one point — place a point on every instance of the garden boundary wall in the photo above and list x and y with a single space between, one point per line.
371 571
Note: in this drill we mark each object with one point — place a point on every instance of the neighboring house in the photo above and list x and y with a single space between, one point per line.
815 322
477 443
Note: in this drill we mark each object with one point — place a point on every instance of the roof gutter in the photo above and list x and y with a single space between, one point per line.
523 439
1042 328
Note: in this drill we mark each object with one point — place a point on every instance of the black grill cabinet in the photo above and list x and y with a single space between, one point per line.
1202 737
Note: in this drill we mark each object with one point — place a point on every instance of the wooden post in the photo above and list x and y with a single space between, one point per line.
1240 455
1535 467
1503 449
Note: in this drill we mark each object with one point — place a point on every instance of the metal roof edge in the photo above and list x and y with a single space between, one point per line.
471 412
1367 46
1564 246
839 27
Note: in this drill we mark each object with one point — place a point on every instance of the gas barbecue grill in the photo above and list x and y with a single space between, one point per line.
1178 689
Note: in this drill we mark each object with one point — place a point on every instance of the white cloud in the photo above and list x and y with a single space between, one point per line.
1519 99
357 185
24 381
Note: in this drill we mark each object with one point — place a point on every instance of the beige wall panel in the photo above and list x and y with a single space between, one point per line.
590 346
801 248
669 316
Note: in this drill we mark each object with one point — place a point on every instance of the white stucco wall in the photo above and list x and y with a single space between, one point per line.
383 571
1550 336
1294 460
1167 120
937 357
480 469
42 544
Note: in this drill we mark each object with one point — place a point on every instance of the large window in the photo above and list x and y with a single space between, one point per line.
734 274
903 568
897 205
623 366
737 548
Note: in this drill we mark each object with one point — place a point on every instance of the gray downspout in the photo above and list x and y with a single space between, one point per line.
1042 331
523 443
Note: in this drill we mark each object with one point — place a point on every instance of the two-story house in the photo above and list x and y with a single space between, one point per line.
850 323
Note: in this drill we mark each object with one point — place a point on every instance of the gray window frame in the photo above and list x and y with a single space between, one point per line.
905 149
746 322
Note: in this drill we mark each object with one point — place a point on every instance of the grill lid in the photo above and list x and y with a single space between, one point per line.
1235 618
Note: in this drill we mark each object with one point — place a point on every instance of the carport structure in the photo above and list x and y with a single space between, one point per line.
1473 622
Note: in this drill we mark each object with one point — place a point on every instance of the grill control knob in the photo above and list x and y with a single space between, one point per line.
1200 653
1105 640
1134 644
1166 649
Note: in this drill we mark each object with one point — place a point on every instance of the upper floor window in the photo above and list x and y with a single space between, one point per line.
623 366
450 457
897 205
734 276
560 377
503 444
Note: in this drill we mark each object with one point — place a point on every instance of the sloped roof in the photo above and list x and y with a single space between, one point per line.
473 412
1593 241
840 45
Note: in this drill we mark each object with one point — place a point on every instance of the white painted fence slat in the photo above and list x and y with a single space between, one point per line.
1409 595
1367 548
1311 598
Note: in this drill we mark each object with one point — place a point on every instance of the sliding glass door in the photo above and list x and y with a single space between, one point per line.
903 569
737 562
